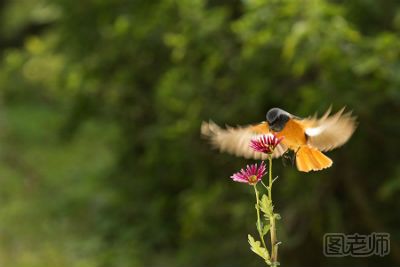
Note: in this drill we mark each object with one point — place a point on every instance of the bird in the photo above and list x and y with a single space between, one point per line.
308 137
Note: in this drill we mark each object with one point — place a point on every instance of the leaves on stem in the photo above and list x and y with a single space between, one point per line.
258 249
266 206
266 229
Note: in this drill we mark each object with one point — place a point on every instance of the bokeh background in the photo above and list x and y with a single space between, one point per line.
101 101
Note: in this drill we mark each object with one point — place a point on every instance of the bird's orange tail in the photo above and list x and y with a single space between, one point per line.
311 159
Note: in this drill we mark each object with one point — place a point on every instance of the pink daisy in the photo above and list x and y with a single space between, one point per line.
252 175
265 143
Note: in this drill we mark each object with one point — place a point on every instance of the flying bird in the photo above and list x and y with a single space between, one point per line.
307 137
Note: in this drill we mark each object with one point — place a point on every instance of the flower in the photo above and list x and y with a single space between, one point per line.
265 143
252 175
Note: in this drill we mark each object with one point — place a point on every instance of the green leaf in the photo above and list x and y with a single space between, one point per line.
266 206
266 229
261 225
258 249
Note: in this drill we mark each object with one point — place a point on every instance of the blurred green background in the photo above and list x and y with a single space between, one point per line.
101 101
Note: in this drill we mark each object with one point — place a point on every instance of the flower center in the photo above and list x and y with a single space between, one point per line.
253 179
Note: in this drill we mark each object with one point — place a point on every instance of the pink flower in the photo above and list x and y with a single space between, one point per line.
252 175
265 143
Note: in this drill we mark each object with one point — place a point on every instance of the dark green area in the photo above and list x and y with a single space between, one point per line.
101 160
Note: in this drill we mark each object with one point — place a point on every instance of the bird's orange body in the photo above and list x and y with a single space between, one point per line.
293 135
294 138
306 137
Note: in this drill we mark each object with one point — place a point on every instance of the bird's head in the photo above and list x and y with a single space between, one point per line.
277 119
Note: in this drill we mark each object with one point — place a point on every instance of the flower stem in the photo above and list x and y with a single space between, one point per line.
266 187
270 178
258 217
274 245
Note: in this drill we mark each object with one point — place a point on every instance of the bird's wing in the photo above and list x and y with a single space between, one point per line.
329 131
237 140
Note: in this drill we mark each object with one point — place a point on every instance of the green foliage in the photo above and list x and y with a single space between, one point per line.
258 249
102 163
266 206
266 229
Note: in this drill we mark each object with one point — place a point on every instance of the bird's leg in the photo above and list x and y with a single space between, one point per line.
295 155
285 157
288 156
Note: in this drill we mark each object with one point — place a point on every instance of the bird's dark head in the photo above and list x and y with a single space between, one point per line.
277 119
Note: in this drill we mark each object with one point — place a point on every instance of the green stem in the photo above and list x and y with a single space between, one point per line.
274 246
270 178
258 217
266 187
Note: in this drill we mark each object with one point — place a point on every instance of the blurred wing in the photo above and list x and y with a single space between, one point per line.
330 131
237 140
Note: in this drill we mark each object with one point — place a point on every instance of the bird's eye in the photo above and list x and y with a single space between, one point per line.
283 118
